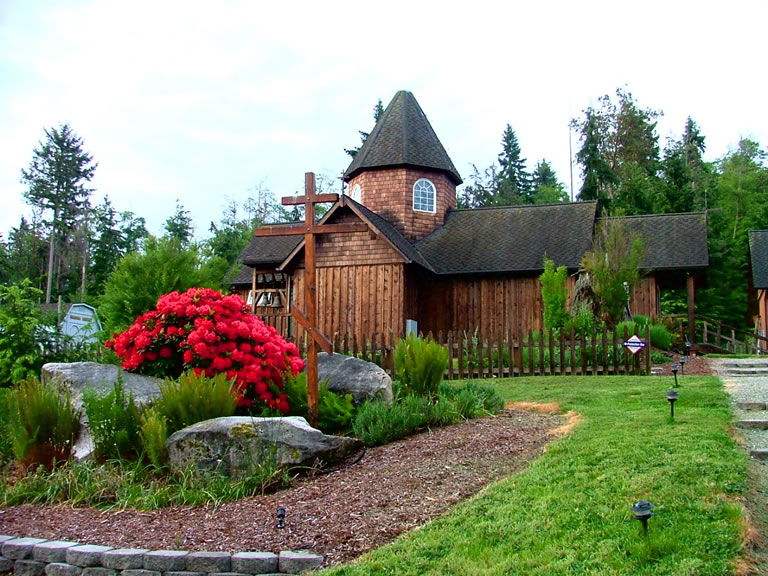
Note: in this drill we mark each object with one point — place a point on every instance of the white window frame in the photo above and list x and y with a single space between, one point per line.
356 193
420 195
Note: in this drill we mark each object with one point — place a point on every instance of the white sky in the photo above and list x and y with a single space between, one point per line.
202 101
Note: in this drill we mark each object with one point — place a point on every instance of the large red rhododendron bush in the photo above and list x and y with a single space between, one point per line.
210 333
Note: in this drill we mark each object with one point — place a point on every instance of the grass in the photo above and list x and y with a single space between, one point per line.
569 511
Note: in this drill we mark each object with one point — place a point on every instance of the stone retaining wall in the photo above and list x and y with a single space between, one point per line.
38 557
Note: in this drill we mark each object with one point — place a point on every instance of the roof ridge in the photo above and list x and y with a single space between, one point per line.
696 212
511 206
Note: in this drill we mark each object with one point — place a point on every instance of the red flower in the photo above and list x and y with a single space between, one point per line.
212 333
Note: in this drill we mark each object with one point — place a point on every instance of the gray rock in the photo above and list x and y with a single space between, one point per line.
140 572
98 571
124 558
254 562
78 376
29 568
183 573
20 548
230 445
209 562
6 565
5 538
165 560
62 569
298 562
350 375
54 551
86 555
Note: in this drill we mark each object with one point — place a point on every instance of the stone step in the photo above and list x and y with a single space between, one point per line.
752 424
759 454
751 406
746 372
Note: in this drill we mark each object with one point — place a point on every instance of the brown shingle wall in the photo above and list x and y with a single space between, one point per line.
353 248
644 298
389 193
359 300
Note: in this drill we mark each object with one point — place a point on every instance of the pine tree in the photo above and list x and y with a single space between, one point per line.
56 180
513 183
545 187
179 226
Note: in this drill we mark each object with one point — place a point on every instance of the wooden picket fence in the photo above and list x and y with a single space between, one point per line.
473 356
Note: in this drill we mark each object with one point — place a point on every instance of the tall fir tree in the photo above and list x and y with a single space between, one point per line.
56 181
513 183
545 187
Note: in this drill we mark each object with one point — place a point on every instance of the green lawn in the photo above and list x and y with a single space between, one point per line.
569 511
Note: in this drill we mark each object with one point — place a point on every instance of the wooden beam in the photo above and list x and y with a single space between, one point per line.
301 230
691 304
316 198
313 332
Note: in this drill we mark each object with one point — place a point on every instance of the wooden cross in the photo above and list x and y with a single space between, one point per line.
309 320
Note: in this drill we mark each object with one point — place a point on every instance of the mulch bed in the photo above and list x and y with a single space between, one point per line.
340 514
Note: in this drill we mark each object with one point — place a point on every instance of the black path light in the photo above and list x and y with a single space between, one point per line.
643 510
672 398
675 368
281 517
683 360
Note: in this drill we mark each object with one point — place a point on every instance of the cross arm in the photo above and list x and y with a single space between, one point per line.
301 230
315 198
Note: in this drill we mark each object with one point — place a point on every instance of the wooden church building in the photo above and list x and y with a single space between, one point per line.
422 260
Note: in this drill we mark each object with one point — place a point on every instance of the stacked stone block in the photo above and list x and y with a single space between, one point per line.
39 557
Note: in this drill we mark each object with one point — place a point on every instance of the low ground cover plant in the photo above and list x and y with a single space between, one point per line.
113 420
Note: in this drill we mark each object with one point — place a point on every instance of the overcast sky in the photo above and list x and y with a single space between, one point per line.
202 101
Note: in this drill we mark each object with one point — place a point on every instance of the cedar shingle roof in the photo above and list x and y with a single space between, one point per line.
268 250
672 241
758 250
403 137
510 238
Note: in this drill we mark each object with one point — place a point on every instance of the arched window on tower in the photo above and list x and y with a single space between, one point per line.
355 194
424 196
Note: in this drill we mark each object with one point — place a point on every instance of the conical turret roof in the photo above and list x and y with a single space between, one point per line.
403 137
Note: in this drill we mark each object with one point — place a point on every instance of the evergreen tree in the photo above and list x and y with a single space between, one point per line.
378 110
26 248
56 180
619 154
513 183
179 226
546 189
597 175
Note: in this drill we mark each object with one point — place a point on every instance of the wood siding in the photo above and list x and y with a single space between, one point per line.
360 300
645 298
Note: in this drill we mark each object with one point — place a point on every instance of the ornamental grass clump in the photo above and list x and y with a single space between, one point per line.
42 423
420 365
209 333
194 398
113 419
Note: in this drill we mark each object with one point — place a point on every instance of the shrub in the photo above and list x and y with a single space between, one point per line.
335 412
42 423
113 419
581 320
378 423
209 333
472 400
660 337
20 331
154 433
6 447
641 320
194 398
420 365
554 294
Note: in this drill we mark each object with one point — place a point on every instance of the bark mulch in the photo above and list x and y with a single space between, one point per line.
341 513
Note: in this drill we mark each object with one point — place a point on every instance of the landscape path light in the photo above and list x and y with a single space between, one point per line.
643 510
683 360
675 368
672 398
281 517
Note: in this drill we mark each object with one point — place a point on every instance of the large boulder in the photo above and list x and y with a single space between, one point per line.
77 376
350 375
231 445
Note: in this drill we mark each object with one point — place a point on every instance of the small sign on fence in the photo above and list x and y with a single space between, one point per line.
634 344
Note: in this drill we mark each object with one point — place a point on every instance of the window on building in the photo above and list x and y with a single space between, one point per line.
424 196
355 194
